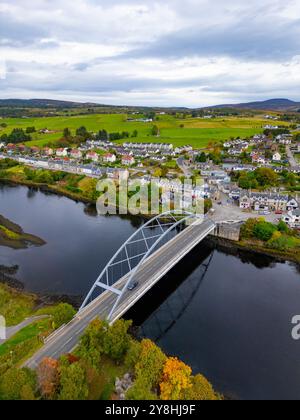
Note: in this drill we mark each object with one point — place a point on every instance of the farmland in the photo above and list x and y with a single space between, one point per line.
194 131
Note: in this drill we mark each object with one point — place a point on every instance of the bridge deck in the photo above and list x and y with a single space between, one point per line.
151 271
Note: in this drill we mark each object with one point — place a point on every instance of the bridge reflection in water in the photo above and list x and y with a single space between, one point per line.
173 308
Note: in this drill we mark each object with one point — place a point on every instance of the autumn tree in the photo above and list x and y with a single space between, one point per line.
176 379
149 368
48 378
73 383
200 390
16 383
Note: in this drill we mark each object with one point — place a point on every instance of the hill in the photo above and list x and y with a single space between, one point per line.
271 105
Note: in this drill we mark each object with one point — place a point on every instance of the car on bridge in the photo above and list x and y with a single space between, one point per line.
132 286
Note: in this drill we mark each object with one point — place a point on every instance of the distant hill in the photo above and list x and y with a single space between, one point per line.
269 105
42 103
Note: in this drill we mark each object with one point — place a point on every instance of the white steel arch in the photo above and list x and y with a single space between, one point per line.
132 256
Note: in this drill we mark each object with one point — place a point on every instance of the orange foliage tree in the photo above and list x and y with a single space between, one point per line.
176 378
48 377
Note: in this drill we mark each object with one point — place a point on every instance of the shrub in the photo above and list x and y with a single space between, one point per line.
264 231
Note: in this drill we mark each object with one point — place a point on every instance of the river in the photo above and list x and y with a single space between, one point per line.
228 316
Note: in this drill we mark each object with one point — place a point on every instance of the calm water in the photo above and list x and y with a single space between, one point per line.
227 316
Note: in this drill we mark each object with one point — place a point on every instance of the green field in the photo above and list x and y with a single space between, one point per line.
196 132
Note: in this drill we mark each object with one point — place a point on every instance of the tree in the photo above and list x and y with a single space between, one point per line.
149 368
201 158
13 381
283 227
207 205
82 132
135 133
91 344
67 133
176 379
200 390
117 340
266 177
48 378
30 130
18 136
264 231
102 135
132 355
247 230
141 392
73 383
63 314
155 131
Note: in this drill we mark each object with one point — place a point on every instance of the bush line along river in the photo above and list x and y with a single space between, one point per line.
230 320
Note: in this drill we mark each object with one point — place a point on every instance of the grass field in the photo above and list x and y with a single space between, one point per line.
196 132
15 306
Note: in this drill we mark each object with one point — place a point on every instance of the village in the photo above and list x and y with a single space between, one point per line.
166 164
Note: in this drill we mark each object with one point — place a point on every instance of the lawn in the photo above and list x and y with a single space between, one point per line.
26 334
194 131
15 306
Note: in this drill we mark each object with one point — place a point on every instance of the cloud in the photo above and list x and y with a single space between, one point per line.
165 52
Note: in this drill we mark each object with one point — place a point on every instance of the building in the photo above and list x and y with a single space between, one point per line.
292 218
47 151
276 157
76 154
128 160
92 156
264 201
109 158
61 153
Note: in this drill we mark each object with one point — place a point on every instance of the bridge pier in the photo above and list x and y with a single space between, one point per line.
230 231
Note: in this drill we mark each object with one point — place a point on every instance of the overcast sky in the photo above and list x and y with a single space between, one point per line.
150 52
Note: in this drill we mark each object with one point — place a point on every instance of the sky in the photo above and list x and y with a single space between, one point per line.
189 53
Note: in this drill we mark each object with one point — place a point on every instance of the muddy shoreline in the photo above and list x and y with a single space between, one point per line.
7 277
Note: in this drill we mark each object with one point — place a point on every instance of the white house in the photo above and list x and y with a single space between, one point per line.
292 205
128 160
276 157
61 153
109 158
76 154
92 156
292 218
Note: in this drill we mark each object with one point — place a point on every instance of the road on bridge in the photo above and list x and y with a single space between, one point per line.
150 272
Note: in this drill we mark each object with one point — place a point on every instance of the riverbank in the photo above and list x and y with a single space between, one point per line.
13 236
253 249
256 247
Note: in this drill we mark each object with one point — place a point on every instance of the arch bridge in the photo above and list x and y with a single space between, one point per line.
145 258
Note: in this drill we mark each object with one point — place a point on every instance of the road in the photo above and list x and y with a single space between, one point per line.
150 272
185 168
290 155
231 212
11 331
